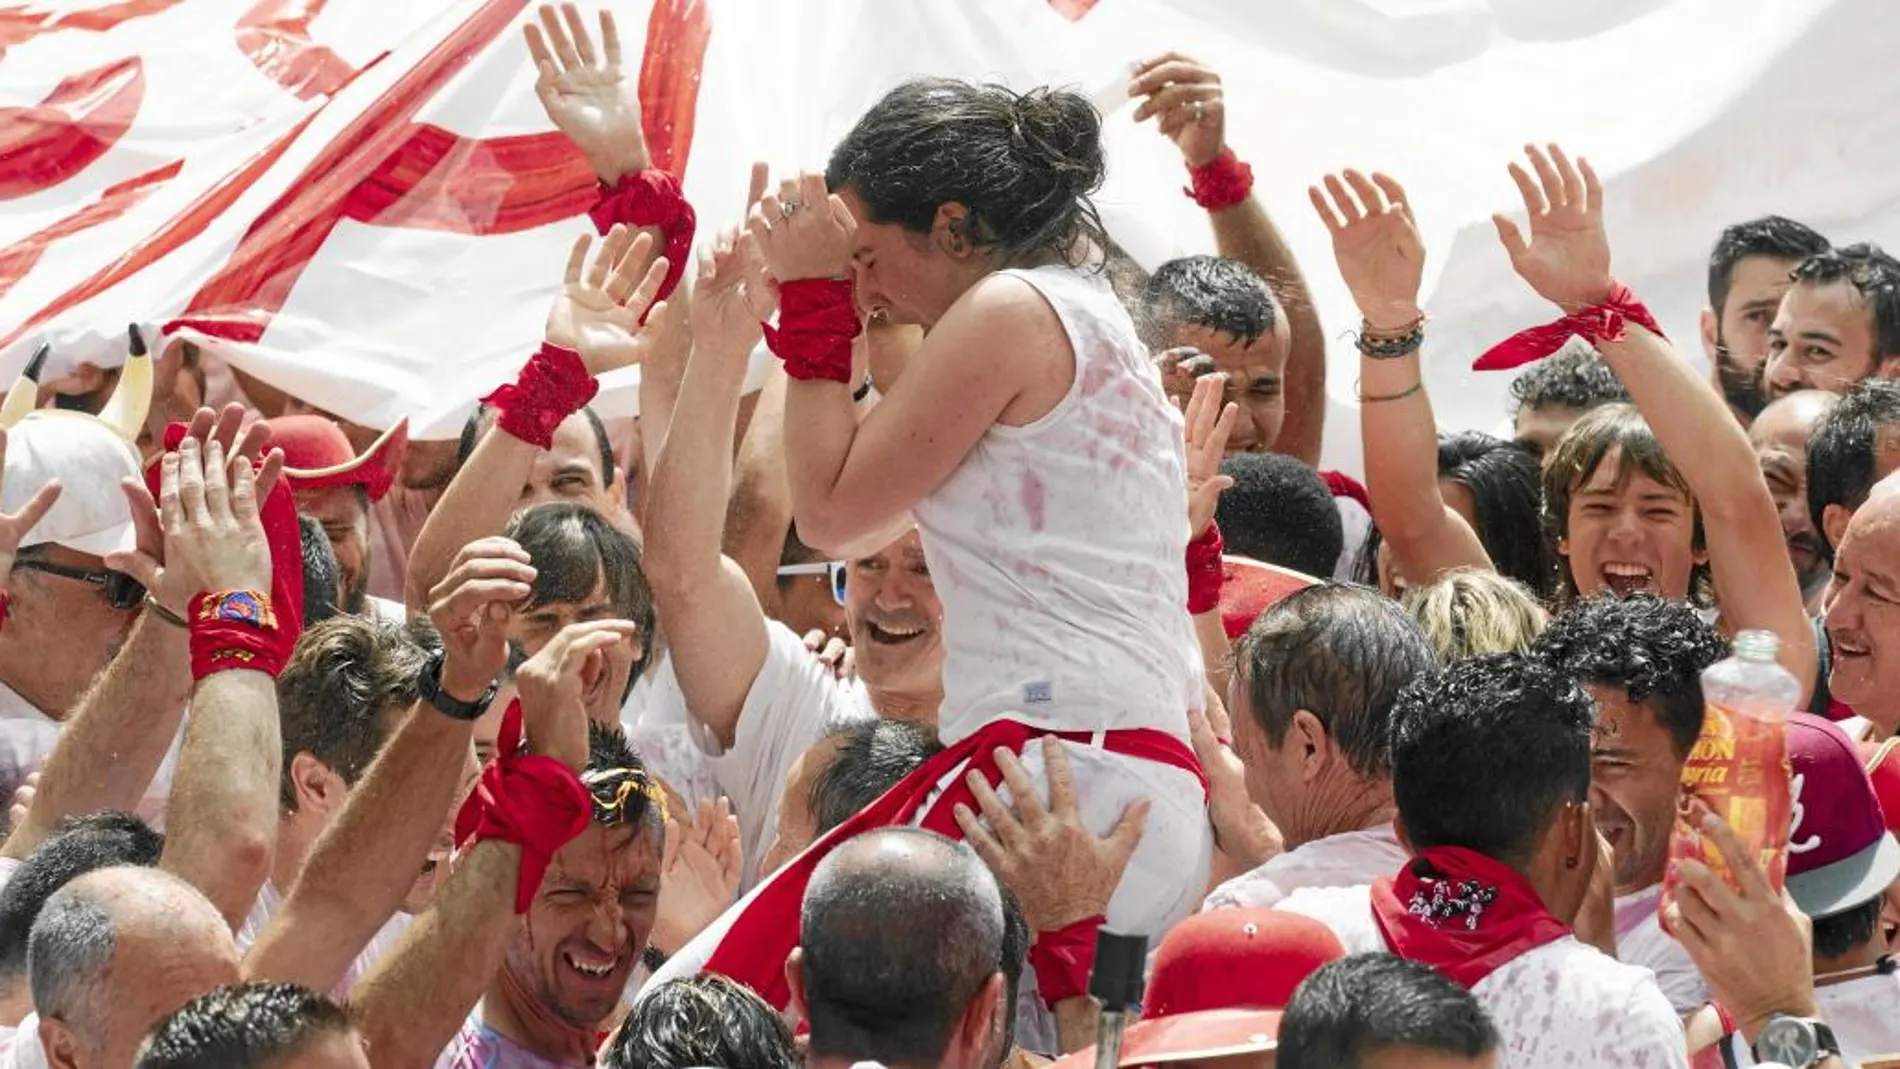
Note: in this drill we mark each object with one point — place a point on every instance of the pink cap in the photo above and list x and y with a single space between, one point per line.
1840 854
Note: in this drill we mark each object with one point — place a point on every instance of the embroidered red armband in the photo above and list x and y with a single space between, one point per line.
817 321
1601 322
233 629
533 801
651 198
1062 960
1221 182
1204 571
553 385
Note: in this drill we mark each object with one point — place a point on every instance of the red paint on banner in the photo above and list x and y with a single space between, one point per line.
20 23
670 69
275 36
18 258
1073 10
82 117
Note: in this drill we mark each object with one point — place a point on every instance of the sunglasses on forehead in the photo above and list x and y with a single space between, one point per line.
613 791
832 570
120 590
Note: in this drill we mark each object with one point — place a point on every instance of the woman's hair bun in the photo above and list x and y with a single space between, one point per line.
1062 131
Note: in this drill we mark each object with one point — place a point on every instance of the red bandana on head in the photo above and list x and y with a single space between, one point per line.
1462 913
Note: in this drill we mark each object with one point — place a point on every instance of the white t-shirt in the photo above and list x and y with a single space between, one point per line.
655 721
22 1049
269 901
1640 940
1563 1004
1347 859
27 736
795 700
1057 547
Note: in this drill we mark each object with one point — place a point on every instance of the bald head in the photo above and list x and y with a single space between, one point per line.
115 951
901 930
1780 436
1791 417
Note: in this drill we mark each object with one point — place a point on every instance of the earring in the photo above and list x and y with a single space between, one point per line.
1570 862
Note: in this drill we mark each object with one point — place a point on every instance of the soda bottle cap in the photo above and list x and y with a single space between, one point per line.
1757 645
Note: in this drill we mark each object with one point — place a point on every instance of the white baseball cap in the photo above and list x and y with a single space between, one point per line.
89 459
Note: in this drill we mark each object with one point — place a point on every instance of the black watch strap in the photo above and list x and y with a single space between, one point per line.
429 686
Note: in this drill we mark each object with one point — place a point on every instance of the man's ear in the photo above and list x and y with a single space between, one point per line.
59 1043
316 784
982 1015
1311 743
1834 520
1709 343
795 979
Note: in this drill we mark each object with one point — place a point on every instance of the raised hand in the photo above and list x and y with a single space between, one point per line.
604 687
804 231
1241 828
1186 96
210 512
15 526
1376 242
834 653
597 313
699 873
724 324
1058 870
553 683
1209 422
1567 259
586 95
472 607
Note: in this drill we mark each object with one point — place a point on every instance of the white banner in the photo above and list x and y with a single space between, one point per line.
357 200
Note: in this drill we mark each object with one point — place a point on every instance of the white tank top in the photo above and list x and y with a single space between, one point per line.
1057 547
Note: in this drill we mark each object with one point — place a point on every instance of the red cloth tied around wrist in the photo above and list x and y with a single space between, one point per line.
1221 182
1600 322
533 801
1062 960
817 321
233 630
651 198
278 513
553 385
1204 571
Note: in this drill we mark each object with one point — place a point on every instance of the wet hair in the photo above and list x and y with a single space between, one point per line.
1023 165
1839 933
1874 275
698 1021
894 949
347 683
1015 956
1573 461
1212 292
321 576
1574 377
1487 751
1279 511
1352 1008
1771 237
251 1025
573 548
872 757
1844 449
82 844
1471 611
1502 478
609 751
1651 648
1341 652
483 418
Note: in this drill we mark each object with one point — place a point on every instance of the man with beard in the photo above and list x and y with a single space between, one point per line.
1838 324
1748 274
1780 436
1641 660
336 487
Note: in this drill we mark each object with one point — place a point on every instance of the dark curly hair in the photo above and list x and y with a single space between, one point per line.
243 1026
1844 448
1575 377
1874 275
1214 292
1651 648
701 1020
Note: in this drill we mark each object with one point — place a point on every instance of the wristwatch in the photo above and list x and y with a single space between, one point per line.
1799 1042
429 687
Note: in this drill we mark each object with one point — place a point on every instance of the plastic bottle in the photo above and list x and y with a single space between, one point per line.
1739 764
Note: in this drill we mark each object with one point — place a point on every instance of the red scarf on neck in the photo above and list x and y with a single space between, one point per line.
1462 913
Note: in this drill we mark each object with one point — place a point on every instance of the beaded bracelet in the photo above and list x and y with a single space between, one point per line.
1375 398
1388 344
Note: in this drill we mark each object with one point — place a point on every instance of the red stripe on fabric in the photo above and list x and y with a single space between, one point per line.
275 36
18 258
19 24
78 122
670 70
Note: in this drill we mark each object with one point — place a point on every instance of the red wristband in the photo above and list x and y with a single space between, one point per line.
1204 571
533 801
1221 182
817 321
553 385
651 198
1601 322
1062 960
233 629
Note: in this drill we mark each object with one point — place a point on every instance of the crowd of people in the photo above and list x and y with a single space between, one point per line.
829 724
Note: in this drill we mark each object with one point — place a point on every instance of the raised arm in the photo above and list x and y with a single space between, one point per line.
222 824
1567 261
714 625
411 1005
1186 99
1382 259
366 861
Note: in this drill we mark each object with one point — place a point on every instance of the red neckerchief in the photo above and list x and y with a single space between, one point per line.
754 949
1461 912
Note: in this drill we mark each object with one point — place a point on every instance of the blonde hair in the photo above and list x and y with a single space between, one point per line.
1472 611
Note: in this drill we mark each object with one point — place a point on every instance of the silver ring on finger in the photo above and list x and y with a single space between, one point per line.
786 208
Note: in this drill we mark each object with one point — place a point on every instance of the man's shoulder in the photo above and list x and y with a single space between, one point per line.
1346 910
1347 859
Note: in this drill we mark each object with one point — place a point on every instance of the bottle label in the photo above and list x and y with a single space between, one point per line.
1739 768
